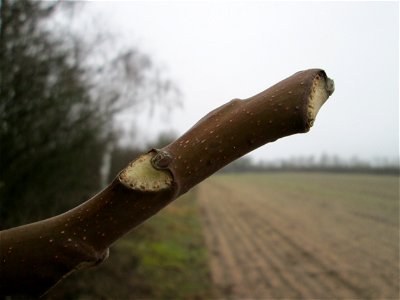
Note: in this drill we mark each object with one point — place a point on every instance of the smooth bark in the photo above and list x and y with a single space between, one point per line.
34 257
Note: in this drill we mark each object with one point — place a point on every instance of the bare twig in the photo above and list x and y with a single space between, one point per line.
36 256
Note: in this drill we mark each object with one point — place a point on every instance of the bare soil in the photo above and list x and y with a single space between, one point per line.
302 236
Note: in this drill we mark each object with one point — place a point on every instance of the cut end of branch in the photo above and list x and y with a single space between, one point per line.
141 175
322 88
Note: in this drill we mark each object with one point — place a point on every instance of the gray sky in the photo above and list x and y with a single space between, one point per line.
220 50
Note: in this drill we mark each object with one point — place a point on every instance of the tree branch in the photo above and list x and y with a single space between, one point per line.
34 257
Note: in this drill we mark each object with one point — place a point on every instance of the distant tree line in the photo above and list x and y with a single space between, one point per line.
324 163
122 155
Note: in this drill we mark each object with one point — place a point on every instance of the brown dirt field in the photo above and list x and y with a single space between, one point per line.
302 236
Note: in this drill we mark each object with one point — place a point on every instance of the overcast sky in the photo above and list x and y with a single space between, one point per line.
216 51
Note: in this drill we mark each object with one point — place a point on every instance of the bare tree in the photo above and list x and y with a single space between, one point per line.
36 256
60 93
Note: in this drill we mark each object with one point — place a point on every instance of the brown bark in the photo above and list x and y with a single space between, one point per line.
34 257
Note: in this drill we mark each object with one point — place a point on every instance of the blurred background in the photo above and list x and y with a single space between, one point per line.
87 86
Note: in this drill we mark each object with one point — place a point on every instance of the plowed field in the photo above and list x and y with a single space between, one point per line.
302 236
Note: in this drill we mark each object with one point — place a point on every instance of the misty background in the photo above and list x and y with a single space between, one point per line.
219 50
87 86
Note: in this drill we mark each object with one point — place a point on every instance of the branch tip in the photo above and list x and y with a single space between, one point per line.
322 88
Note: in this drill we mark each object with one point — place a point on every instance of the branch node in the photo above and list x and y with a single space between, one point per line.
142 175
161 160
